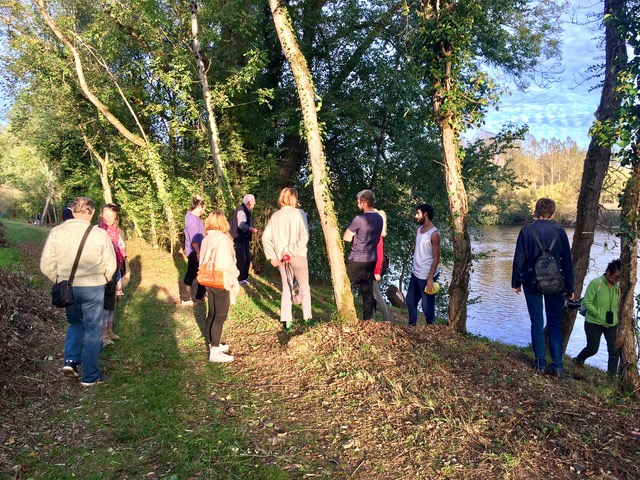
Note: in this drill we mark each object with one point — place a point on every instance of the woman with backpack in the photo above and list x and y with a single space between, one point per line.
601 316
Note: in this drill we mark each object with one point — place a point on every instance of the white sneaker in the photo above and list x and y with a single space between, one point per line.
224 348
216 356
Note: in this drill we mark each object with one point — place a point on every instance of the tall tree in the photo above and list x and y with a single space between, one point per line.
142 141
220 170
596 162
450 42
324 203
627 131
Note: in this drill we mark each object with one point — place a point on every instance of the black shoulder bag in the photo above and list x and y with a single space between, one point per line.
62 292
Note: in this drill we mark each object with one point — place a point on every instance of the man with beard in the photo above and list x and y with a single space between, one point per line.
424 272
364 233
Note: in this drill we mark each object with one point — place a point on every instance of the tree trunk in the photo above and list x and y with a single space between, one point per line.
306 93
596 164
227 195
458 209
103 163
627 343
153 162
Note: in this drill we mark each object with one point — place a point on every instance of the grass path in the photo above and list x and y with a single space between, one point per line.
375 401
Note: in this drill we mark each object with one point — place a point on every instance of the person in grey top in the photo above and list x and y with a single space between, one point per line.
364 234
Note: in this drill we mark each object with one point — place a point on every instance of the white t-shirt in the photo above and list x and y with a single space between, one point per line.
423 254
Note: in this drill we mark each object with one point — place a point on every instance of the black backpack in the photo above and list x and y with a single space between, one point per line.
548 278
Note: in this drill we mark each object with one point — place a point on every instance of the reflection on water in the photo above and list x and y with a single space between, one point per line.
501 314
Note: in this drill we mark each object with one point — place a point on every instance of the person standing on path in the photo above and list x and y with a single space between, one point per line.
217 247
285 241
242 230
96 266
377 272
424 271
543 232
364 233
109 223
601 316
193 235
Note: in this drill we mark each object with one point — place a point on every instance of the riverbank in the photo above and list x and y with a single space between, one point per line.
374 401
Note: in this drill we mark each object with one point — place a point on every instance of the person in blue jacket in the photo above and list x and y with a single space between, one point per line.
523 278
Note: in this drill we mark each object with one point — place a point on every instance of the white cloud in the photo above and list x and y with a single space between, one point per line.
566 107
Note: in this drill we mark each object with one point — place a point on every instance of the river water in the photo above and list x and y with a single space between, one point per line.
501 314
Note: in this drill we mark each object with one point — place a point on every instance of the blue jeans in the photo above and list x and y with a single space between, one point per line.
415 294
84 334
553 309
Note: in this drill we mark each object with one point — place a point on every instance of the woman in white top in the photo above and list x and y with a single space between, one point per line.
217 246
285 245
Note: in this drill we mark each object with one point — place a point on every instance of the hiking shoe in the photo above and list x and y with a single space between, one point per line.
113 336
554 372
577 363
107 341
101 379
70 369
216 356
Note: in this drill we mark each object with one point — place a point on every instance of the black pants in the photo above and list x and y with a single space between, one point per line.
362 273
190 276
217 309
243 258
594 332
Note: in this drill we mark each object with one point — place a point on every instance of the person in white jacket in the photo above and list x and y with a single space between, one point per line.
217 246
285 245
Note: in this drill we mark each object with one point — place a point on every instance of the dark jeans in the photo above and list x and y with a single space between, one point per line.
362 273
190 276
594 332
553 310
218 307
84 334
415 295
243 258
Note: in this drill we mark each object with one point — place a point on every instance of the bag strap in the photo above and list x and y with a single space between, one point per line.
542 249
290 277
77 260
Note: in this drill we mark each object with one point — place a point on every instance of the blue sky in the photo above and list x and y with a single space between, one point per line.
565 108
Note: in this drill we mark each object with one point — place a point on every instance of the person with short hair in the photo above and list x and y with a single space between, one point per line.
523 278
424 270
193 235
285 241
217 246
242 230
96 266
601 316
364 233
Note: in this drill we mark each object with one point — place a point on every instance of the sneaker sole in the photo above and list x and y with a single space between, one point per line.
91 384
69 372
